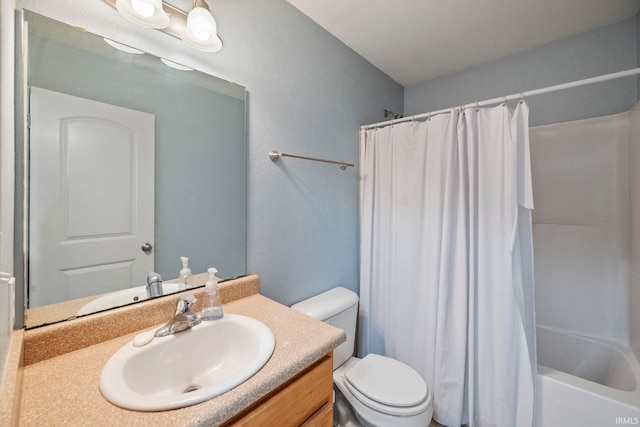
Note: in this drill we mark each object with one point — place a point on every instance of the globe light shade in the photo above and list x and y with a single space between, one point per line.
201 31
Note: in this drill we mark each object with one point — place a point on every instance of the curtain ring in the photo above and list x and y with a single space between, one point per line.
504 101
429 116
477 107
521 98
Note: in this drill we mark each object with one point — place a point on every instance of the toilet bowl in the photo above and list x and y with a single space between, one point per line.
375 391
384 404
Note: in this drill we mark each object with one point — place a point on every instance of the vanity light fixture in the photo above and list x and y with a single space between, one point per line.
197 28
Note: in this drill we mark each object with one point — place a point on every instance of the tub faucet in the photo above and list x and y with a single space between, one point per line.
154 285
183 319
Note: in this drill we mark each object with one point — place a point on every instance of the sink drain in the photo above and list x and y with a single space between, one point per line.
192 388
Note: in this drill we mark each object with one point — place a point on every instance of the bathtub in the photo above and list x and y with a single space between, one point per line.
584 382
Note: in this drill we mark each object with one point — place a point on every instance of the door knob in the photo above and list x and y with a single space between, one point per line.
146 248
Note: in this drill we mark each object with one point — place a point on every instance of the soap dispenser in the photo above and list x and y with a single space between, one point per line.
185 279
211 306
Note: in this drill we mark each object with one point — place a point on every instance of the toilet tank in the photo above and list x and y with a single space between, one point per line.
337 307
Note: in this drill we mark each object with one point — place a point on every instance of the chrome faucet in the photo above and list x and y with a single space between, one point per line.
183 319
154 285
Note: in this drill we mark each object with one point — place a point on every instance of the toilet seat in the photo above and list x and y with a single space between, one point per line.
388 386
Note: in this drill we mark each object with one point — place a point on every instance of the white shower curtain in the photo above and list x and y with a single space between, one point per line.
446 282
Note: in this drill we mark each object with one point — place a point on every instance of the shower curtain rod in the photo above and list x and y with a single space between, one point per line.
502 99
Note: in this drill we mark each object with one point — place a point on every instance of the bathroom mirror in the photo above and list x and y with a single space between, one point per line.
196 167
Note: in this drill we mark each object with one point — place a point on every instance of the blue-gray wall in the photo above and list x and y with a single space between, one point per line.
307 94
590 54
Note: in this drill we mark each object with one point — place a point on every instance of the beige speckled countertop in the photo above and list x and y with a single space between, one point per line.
63 389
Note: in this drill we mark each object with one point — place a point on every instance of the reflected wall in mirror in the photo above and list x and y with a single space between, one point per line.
88 163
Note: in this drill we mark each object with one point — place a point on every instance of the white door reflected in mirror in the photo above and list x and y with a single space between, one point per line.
91 204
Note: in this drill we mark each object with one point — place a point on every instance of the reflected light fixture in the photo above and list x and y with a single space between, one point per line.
175 65
148 13
123 47
197 28
201 31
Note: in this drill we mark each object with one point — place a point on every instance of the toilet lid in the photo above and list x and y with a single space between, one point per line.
387 381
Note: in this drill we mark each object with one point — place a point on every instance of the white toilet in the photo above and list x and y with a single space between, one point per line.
378 390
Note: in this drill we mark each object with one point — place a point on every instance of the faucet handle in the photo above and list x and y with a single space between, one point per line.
184 303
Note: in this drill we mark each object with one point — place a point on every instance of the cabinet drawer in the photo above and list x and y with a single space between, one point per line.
299 400
322 418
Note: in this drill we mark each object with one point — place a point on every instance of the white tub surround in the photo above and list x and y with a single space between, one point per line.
587 262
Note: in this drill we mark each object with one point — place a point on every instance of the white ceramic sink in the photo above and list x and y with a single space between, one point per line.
188 367
123 297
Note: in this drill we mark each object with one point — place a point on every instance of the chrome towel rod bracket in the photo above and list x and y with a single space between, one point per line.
274 155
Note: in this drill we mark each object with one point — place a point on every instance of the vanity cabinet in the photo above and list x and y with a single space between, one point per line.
305 400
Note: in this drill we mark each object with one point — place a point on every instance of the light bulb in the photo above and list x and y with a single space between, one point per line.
148 13
142 8
200 34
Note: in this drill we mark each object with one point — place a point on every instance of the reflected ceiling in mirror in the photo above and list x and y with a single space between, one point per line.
198 170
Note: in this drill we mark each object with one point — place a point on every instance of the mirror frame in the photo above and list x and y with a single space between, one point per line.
20 259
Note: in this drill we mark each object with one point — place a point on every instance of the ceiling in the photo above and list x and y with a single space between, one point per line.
416 40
